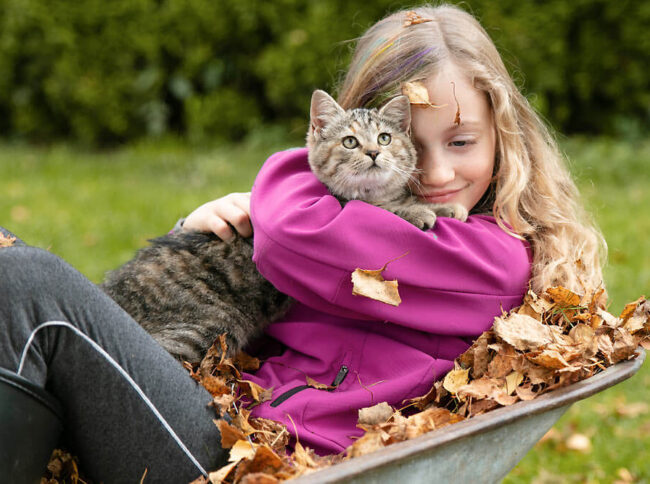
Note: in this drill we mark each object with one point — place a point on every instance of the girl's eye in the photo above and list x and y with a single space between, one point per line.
384 139
350 142
461 143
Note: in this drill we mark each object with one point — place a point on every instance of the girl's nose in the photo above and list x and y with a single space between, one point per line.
437 172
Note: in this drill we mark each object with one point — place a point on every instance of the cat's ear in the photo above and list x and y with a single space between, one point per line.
398 109
323 109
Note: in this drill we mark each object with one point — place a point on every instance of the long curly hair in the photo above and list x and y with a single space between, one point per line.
532 194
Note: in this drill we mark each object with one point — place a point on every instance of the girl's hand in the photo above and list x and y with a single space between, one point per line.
234 208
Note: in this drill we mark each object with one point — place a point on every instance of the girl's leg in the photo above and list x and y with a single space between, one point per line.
107 423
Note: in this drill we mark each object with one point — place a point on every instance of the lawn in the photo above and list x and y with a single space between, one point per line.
95 208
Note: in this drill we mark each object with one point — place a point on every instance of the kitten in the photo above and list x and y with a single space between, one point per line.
187 288
367 154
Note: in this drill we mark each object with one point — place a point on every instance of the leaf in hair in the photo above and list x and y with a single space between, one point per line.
413 18
418 94
457 117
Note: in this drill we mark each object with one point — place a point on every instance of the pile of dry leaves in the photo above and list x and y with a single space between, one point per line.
550 341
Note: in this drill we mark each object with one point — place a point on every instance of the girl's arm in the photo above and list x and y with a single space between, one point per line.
308 246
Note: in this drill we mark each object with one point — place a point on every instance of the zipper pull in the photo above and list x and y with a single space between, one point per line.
340 376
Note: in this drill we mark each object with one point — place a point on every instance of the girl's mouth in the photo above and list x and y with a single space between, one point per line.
441 196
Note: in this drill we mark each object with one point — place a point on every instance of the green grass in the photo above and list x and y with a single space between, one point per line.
94 210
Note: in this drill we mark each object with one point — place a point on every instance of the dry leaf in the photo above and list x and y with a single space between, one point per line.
522 332
304 457
423 401
563 296
585 338
253 390
242 449
457 115
264 462
223 402
484 387
215 385
6 240
258 478
513 380
525 393
455 379
609 319
314 384
481 406
624 346
376 414
639 318
538 305
246 362
230 435
418 94
371 284
413 18
549 359
366 444
501 364
629 308
220 475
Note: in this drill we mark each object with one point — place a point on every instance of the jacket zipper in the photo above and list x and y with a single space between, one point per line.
338 379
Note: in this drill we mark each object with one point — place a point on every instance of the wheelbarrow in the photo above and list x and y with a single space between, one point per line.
496 441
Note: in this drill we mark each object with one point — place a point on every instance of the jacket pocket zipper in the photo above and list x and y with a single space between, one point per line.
338 379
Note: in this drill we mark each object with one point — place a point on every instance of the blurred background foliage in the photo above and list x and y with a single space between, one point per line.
101 73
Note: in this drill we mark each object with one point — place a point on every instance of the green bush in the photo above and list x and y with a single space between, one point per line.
105 72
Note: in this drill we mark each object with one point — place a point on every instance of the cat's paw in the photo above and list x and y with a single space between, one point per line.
422 216
452 210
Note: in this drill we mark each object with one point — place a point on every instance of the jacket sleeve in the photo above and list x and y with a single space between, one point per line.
450 279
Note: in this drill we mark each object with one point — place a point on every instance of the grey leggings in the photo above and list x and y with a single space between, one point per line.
106 422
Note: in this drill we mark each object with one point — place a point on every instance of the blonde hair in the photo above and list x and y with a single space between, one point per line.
532 195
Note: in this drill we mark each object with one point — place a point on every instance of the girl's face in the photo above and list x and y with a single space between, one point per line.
456 162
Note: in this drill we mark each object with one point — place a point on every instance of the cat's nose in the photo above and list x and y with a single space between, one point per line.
372 154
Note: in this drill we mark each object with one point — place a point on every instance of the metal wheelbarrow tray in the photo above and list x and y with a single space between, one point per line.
482 449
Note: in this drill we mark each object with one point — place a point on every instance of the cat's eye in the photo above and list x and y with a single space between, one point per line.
350 142
384 139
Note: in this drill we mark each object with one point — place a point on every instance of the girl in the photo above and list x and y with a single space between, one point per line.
131 407
498 161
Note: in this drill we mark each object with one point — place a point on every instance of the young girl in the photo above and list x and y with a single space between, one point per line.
498 161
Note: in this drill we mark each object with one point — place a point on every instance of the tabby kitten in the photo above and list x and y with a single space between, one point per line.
367 154
187 288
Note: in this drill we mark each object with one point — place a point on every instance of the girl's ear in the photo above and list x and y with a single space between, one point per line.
323 109
398 109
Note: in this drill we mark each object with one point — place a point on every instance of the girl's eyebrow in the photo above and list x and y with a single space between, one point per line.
465 124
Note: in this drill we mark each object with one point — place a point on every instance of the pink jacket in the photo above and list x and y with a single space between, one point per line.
454 280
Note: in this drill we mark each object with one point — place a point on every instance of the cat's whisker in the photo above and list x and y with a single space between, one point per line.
410 176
